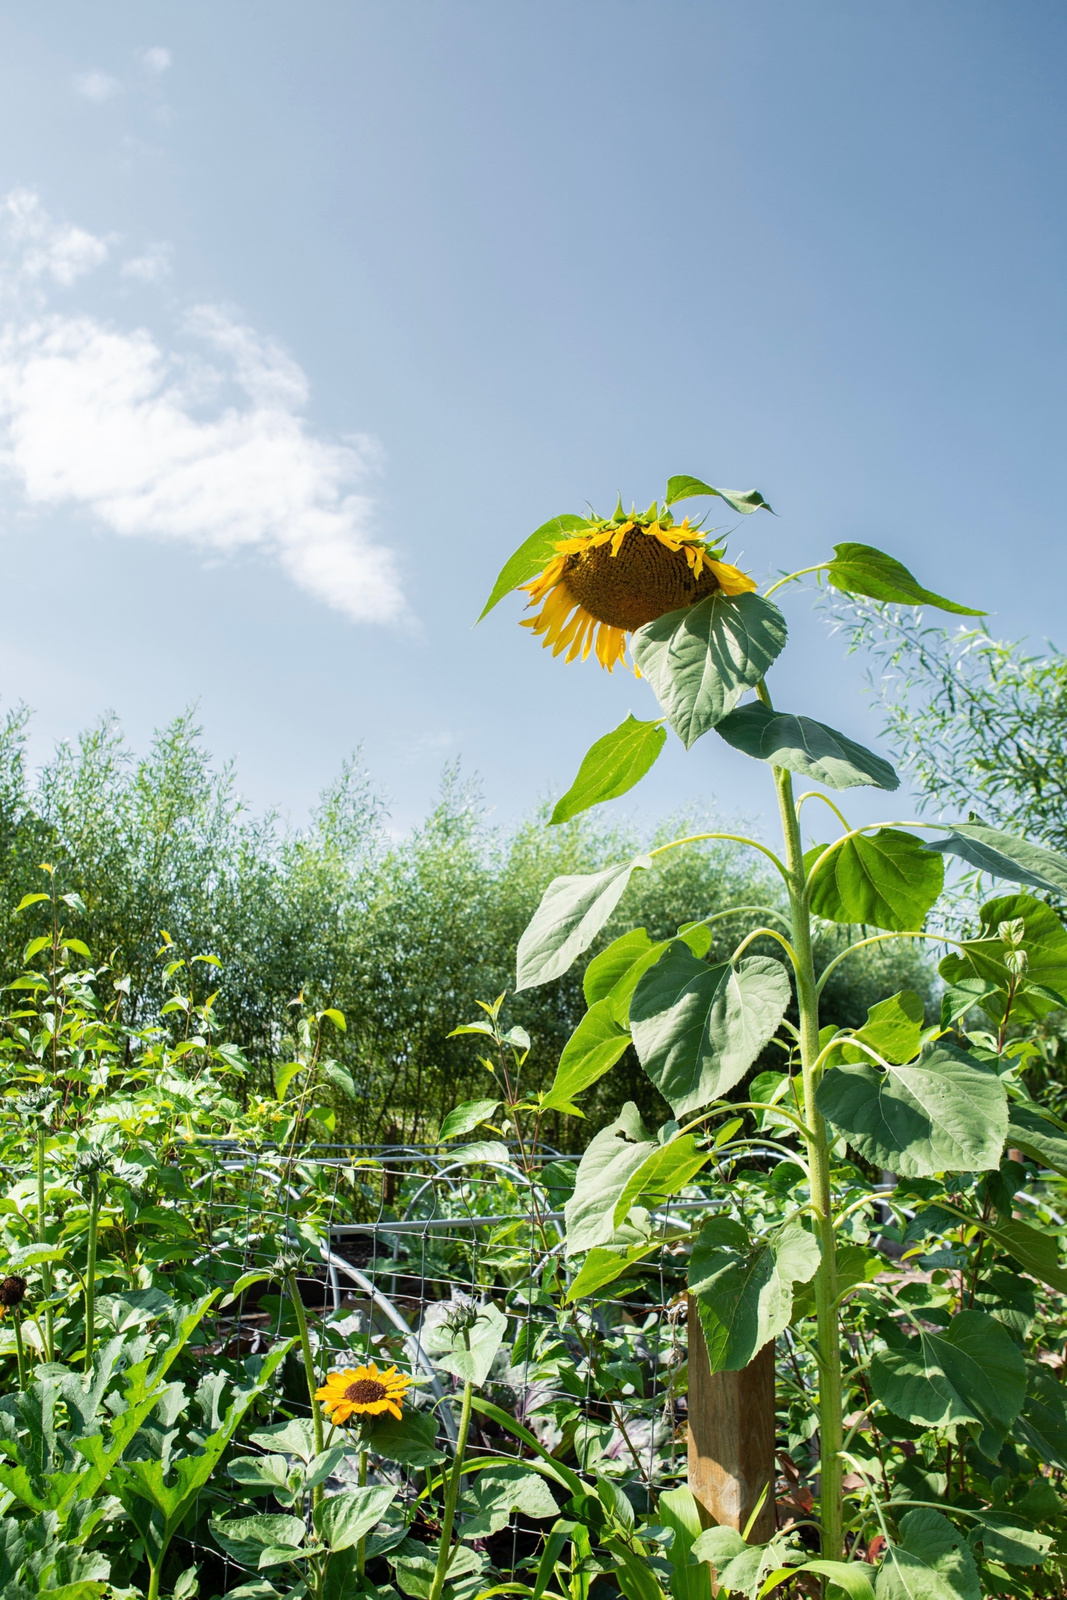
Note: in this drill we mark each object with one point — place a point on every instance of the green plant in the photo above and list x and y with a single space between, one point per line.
940 1106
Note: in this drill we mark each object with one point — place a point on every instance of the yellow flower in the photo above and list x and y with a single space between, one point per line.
364 1391
603 584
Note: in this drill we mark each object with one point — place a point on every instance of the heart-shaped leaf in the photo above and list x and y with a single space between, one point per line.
697 1029
744 1286
1003 855
945 1112
701 659
931 1563
884 880
603 1173
972 1372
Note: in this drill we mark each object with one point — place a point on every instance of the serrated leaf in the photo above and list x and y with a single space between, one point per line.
603 1173
945 1112
883 881
532 556
697 1029
861 569
701 659
612 766
744 1286
684 487
972 1372
572 912
931 1563
1005 1538
592 1049
1003 855
800 744
461 1119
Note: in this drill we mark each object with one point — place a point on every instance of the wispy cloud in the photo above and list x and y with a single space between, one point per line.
152 266
156 60
201 440
96 86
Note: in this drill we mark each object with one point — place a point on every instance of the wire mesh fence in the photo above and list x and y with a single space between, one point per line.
384 1241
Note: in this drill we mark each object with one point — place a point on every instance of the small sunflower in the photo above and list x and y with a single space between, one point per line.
612 577
363 1391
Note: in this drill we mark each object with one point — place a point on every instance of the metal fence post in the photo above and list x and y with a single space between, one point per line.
731 1436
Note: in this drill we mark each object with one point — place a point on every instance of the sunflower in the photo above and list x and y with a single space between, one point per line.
363 1391
611 578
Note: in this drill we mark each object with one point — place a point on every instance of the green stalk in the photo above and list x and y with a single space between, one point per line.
90 1271
20 1351
46 1266
361 1546
444 1548
153 1581
309 1372
831 1428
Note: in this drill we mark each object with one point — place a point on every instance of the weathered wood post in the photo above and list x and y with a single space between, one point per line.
731 1436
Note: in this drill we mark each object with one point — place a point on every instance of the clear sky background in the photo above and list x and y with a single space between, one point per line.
309 314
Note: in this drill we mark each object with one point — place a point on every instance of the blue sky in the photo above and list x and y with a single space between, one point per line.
309 314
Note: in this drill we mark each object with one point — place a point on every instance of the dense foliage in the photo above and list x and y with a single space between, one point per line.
402 938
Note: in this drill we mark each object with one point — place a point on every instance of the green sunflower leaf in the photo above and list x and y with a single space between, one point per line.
605 970
572 912
668 1168
612 766
1002 855
465 1117
945 1112
602 1267
1038 1137
603 1173
1043 942
697 1029
883 880
1037 1252
972 1372
744 1287
861 569
686 488
932 1563
803 745
593 1048
701 659
531 558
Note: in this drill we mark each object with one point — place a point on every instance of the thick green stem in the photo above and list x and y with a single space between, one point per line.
46 1266
444 1549
20 1352
90 1272
153 1581
829 1336
309 1372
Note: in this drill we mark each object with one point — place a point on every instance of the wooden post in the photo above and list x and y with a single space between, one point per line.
731 1436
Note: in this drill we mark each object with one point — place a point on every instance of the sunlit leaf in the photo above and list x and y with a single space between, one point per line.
612 766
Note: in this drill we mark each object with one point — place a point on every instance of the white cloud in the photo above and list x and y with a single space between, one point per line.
46 248
204 444
156 60
151 267
96 86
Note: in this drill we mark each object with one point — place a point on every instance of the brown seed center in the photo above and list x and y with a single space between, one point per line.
642 582
365 1391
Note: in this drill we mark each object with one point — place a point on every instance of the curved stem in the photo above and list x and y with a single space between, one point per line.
817 794
735 838
764 933
793 576
857 1205
879 938
361 1545
737 911
766 1144
747 1105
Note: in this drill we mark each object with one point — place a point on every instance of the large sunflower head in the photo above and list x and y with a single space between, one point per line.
363 1391
612 575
